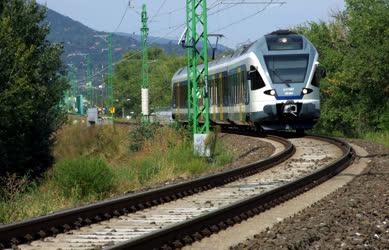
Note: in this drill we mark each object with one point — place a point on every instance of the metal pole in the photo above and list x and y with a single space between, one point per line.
197 36
89 80
188 58
110 105
145 64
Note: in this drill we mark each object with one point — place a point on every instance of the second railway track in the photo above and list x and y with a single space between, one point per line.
211 207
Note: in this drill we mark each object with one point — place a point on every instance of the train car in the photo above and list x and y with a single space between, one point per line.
272 84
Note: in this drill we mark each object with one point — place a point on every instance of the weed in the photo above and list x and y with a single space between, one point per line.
378 137
142 132
83 176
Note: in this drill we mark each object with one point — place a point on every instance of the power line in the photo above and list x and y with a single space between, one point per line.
136 52
121 20
176 27
157 12
247 17
251 2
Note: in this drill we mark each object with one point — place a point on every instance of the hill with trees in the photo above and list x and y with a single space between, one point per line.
79 40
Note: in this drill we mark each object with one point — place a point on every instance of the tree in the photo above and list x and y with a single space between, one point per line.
31 89
127 79
354 49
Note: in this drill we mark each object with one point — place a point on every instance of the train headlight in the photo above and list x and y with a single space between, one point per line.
306 91
271 92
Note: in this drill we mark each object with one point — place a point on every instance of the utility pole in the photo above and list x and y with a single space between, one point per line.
110 78
74 81
145 65
89 81
188 59
197 52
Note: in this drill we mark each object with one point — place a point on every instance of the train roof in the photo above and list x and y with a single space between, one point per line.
279 41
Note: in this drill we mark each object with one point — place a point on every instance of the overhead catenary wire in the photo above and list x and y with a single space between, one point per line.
136 52
157 12
122 19
172 29
247 17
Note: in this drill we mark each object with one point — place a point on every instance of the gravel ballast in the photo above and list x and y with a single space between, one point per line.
354 217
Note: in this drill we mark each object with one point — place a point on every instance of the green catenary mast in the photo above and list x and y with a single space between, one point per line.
110 77
145 63
89 80
73 78
188 58
197 44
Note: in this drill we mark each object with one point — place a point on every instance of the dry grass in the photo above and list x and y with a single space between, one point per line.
165 156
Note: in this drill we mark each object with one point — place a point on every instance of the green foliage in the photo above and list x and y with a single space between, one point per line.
127 78
143 131
148 168
378 137
83 176
167 155
31 88
354 48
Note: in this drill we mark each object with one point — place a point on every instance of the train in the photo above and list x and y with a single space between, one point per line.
270 84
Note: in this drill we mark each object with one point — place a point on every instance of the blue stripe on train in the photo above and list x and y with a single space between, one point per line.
289 97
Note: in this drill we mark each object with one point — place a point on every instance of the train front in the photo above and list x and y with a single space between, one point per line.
290 98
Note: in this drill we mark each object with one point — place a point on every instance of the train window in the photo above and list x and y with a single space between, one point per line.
236 80
184 95
225 89
214 90
256 79
316 79
246 94
174 101
220 88
319 73
241 85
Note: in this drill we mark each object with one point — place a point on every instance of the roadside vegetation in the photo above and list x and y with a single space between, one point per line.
354 49
100 162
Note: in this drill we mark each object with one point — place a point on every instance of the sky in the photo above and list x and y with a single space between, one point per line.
239 23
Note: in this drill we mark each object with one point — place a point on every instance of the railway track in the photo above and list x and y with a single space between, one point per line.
177 215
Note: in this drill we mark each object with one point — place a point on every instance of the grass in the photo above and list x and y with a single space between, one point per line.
94 163
82 176
378 137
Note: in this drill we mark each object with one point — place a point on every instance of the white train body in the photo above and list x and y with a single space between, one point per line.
272 83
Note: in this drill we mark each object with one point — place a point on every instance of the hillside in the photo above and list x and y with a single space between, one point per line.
80 40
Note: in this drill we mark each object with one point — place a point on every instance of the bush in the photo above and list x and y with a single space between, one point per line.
83 177
140 134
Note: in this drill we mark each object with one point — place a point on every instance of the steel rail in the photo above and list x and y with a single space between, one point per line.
195 229
44 226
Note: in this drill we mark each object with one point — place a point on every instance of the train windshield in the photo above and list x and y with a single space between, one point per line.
287 68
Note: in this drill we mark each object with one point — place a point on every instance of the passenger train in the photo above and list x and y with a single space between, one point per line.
272 84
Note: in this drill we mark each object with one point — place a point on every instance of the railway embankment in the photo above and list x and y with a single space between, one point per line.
104 152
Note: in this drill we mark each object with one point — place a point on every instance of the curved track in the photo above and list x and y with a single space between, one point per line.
205 206
316 160
42 227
